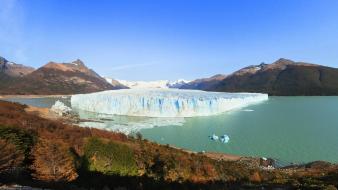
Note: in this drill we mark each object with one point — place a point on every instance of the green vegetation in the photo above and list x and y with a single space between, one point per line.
109 157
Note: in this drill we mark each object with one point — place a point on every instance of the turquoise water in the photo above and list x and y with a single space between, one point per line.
291 129
44 102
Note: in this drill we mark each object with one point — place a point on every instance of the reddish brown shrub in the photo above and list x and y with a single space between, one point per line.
10 156
53 161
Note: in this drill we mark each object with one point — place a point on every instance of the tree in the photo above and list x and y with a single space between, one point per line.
10 156
53 161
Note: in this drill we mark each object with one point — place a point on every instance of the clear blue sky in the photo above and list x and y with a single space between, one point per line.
168 39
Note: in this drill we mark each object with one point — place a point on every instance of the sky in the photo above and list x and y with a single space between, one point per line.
168 39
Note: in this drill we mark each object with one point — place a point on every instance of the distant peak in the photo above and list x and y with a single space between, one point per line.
284 61
3 60
78 62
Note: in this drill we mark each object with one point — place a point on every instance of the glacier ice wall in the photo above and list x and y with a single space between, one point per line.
163 102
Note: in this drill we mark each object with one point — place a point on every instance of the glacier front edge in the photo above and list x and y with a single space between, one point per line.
163 102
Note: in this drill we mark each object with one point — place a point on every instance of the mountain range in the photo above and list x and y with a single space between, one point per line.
52 78
151 84
282 78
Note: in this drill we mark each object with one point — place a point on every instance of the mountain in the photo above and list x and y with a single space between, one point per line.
177 83
144 84
54 78
13 69
150 84
204 83
116 83
282 78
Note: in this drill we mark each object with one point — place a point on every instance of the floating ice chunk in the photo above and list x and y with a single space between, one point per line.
247 110
163 102
125 124
60 108
224 139
214 137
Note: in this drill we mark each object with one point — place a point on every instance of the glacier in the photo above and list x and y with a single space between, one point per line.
163 102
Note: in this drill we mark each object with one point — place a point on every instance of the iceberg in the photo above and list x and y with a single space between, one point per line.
163 102
60 108
214 137
224 139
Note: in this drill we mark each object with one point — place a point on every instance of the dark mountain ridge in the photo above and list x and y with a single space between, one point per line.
281 78
204 83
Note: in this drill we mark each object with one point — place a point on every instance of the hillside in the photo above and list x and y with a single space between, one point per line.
13 69
282 78
43 153
204 83
54 78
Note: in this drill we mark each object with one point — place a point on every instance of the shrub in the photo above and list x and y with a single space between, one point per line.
22 139
10 156
53 161
109 157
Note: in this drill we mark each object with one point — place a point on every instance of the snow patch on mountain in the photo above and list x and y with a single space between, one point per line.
151 84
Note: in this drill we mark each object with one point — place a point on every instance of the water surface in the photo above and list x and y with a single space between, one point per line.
291 129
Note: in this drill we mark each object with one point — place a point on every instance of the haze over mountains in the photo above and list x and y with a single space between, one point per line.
283 77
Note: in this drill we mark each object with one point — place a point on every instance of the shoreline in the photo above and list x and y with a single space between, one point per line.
46 113
31 96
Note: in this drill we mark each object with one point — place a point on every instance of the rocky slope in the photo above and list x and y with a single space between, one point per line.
116 83
283 78
53 78
204 83
13 69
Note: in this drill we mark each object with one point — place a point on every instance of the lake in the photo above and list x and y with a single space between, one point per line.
291 129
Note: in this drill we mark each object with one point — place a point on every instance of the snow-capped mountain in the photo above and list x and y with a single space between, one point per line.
178 83
152 84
